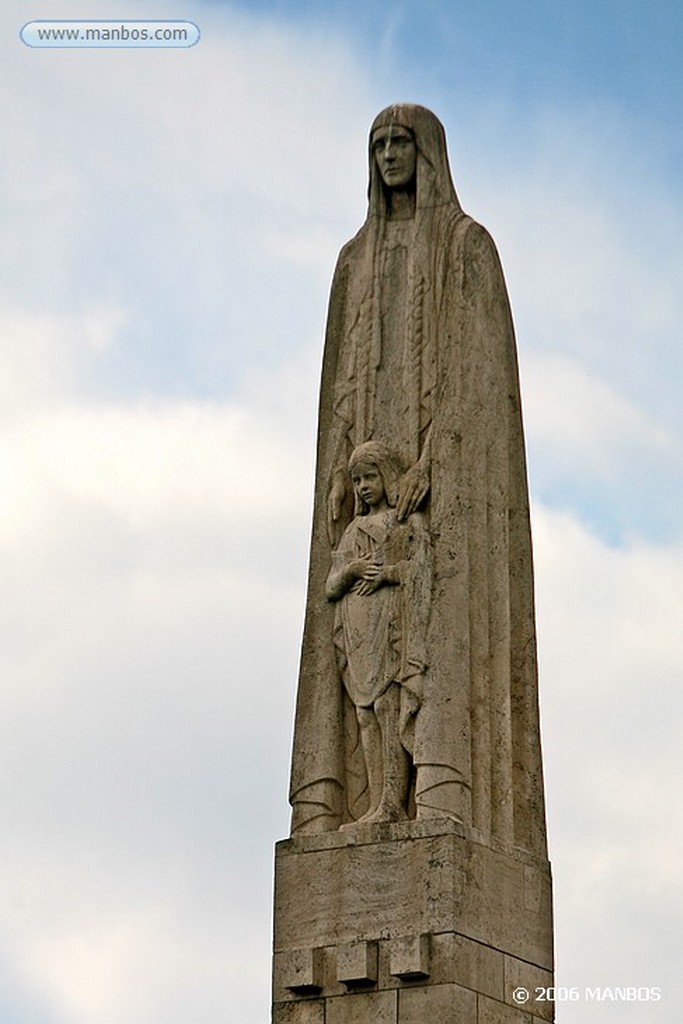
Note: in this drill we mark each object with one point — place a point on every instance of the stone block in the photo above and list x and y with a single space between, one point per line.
437 1004
308 1012
507 904
409 957
348 886
534 884
519 974
299 970
478 967
385 882
491 1011
363 1008
357 963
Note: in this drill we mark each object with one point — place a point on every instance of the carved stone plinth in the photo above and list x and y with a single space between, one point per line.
409 923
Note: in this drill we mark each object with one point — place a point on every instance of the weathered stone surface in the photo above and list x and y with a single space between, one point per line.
495 911
363 1008
368 891
520 974
309 1012
326 973
490 1011
366 834
409 957
300 970
435 883
357 963
477 966
437 1004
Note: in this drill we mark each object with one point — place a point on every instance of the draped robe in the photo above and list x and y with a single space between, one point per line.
420 353
380 637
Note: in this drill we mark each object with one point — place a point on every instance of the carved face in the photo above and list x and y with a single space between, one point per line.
396 155
368 484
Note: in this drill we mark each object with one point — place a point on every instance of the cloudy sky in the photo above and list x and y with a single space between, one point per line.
170 221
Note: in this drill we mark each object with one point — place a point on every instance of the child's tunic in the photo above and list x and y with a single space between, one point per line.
380 637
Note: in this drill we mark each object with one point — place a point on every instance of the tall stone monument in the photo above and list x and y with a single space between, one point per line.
415 887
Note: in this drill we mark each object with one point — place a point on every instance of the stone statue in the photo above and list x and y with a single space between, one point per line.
381 581
419 360
415 885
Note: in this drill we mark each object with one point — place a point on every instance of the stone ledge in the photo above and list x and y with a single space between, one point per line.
362 835
406 963
357 963
301 971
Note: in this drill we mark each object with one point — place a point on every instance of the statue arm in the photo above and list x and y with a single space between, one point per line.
336 498
340 581
334 421
416 483
347 569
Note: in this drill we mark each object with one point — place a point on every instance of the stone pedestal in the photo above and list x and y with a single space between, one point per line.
409 923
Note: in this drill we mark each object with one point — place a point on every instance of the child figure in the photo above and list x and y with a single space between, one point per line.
381 581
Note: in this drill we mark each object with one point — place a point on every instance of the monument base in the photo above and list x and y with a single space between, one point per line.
410 923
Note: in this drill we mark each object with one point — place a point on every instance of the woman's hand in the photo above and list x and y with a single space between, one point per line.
335 502
413 490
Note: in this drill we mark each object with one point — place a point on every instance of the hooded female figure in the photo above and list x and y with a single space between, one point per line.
420 355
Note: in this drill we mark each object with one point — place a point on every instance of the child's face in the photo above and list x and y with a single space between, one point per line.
368 484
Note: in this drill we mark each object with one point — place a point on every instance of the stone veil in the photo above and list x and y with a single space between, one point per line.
420 355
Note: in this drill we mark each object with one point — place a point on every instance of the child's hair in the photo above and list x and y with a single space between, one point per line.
387 461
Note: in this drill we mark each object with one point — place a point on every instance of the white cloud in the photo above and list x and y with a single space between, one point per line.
590 241
153 465
151 615
182 188
108 952
584 428
611 664
154 547
42 356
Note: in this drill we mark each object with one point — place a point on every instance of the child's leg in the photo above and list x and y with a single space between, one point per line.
371 741
396 759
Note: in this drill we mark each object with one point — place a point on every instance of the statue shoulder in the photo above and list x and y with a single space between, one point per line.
348 262
481 267
471 236
352 249
468 243
478 243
